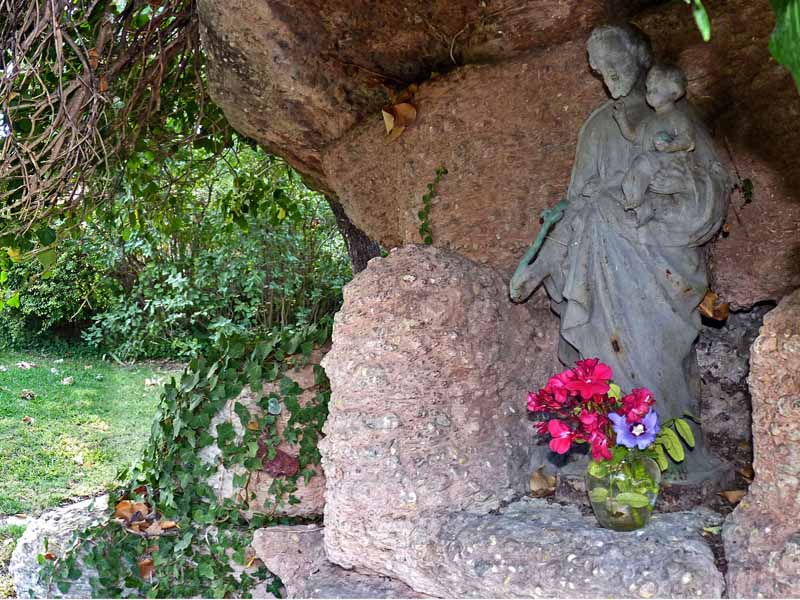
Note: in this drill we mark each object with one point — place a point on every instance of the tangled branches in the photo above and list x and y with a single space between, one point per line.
82 82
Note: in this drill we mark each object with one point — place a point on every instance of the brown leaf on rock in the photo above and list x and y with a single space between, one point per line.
747 472
253 426
733 496
146 568
49 556
542 484
712 308
388 120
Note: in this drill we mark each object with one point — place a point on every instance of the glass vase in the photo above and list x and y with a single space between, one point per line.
623 493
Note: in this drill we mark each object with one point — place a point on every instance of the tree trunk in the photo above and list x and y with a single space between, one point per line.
360 247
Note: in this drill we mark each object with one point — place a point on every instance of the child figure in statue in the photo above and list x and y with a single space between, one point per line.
667 135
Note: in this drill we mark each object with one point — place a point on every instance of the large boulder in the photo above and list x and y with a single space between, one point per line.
296 554
58 527
311 494
503 116
429 371
762 536
534 549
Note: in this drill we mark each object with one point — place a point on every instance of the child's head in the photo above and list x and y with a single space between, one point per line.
665 84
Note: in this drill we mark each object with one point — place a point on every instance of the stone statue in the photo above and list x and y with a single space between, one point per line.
623 266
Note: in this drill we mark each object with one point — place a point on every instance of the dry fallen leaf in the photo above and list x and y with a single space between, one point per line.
747 472
154 529
141 507
142 489
733 496
146 568
139 525
152 382
27 394
388 121
49 556
169 525
26 365
27 420
253 426
711 308
542 484
124 509
68 381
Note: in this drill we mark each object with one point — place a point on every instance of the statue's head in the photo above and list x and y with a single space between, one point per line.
621 54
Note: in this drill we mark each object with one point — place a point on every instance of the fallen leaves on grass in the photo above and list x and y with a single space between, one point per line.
152 382
27 395
146 568
23 364
68 381
27 420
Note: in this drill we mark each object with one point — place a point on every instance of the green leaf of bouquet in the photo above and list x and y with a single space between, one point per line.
673 445
661 457
614 391
692 417
633 499
685 431
598 494
598 469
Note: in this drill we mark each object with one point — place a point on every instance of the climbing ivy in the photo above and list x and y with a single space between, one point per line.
427 199
199 538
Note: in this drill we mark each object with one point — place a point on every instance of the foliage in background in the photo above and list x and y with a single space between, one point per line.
197 558
212 247
784 43
66 430
194 247
57 301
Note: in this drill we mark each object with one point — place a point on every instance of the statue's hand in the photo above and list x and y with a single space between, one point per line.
671 179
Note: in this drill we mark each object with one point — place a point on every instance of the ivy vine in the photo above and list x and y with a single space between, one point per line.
198 540
427 199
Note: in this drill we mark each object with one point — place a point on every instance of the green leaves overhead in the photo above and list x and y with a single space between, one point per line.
701 18
784 44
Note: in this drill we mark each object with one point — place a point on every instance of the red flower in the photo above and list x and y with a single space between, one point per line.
540 426
600 450
557 385
592 378
562 436
637 404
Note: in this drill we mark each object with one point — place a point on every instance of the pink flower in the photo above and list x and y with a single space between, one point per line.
637 404
562 436
540 426
557 385
592 378
590 421
599 442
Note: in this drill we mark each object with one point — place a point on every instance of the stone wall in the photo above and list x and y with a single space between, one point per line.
762 536
502 116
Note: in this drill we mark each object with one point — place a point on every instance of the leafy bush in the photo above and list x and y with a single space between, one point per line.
212 250
56 301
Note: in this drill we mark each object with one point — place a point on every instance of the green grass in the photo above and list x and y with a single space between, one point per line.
9 534
80 435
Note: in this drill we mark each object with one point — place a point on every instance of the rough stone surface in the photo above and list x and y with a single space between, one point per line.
311 494
429 371
297 555
762 536
723 358
58 526
536 549
308 83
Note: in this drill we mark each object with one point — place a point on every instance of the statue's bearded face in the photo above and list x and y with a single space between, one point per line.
616 63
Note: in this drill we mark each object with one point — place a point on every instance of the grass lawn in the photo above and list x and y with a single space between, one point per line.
68 441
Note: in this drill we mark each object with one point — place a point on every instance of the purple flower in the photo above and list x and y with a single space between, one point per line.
636 435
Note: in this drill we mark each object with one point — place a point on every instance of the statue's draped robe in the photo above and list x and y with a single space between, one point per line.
629 295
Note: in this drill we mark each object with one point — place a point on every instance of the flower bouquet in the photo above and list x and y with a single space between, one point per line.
629 443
